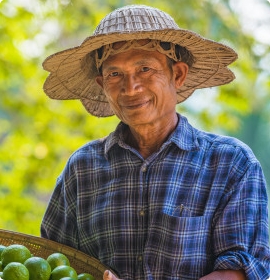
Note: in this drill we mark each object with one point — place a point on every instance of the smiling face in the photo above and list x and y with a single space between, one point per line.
141 87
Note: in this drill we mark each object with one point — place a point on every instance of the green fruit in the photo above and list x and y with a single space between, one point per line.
15 270
57 259
85 276
63 271
15 253
39 269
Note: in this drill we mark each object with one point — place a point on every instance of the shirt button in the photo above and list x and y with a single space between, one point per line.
140 258
141 213
144 168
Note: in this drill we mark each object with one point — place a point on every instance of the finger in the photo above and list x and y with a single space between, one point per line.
109 276
106 275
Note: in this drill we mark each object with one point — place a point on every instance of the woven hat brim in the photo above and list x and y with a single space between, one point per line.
73 71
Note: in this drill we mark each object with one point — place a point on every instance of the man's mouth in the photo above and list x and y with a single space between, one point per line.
136 105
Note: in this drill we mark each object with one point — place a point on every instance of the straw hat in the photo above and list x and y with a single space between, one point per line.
73 71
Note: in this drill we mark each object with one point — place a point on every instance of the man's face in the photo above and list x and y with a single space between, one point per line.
140 86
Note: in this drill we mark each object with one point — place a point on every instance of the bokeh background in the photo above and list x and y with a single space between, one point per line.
37 135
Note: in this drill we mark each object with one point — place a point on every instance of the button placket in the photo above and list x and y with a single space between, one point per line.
142 215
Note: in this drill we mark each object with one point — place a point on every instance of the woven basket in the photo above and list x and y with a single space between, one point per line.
42 247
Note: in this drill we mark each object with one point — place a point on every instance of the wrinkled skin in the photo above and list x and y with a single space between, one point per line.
141 89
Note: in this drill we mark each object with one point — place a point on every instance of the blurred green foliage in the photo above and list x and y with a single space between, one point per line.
37 135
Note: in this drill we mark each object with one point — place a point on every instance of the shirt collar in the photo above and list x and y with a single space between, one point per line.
184 136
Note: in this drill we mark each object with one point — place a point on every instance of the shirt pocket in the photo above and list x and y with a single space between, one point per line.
178 246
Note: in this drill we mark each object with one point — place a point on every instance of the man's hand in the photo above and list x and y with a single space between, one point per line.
225 275
109 276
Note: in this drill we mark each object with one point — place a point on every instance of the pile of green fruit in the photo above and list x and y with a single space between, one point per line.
17 263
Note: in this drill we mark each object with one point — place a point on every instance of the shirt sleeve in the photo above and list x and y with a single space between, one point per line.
59 221
240 237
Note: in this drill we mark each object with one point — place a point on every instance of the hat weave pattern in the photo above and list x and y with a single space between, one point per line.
73 71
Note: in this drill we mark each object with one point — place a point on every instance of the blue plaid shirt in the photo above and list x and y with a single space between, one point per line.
199 204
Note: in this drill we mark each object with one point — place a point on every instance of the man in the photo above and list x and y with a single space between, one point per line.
157 198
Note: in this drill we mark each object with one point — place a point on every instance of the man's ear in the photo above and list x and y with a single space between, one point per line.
180 70
99 81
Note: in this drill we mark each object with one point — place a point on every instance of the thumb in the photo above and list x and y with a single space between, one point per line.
109 276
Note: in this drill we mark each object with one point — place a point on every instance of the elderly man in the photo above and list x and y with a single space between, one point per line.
157 198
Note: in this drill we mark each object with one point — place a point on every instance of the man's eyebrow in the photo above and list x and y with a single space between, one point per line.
145 61
140 62
110 68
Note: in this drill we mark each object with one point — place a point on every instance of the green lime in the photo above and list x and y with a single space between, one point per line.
15 253
39 269
57 259
63 271
15 270
85 276
2 247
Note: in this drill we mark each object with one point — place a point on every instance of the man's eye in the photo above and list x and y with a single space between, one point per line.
145 69
114 74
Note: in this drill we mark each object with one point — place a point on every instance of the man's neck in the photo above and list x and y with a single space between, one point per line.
147 139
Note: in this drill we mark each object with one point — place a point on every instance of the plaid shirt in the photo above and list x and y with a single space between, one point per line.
199 204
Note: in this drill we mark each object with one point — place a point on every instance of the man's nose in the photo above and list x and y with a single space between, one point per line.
131 84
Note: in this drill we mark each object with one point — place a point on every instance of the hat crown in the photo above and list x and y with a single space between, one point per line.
135 18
